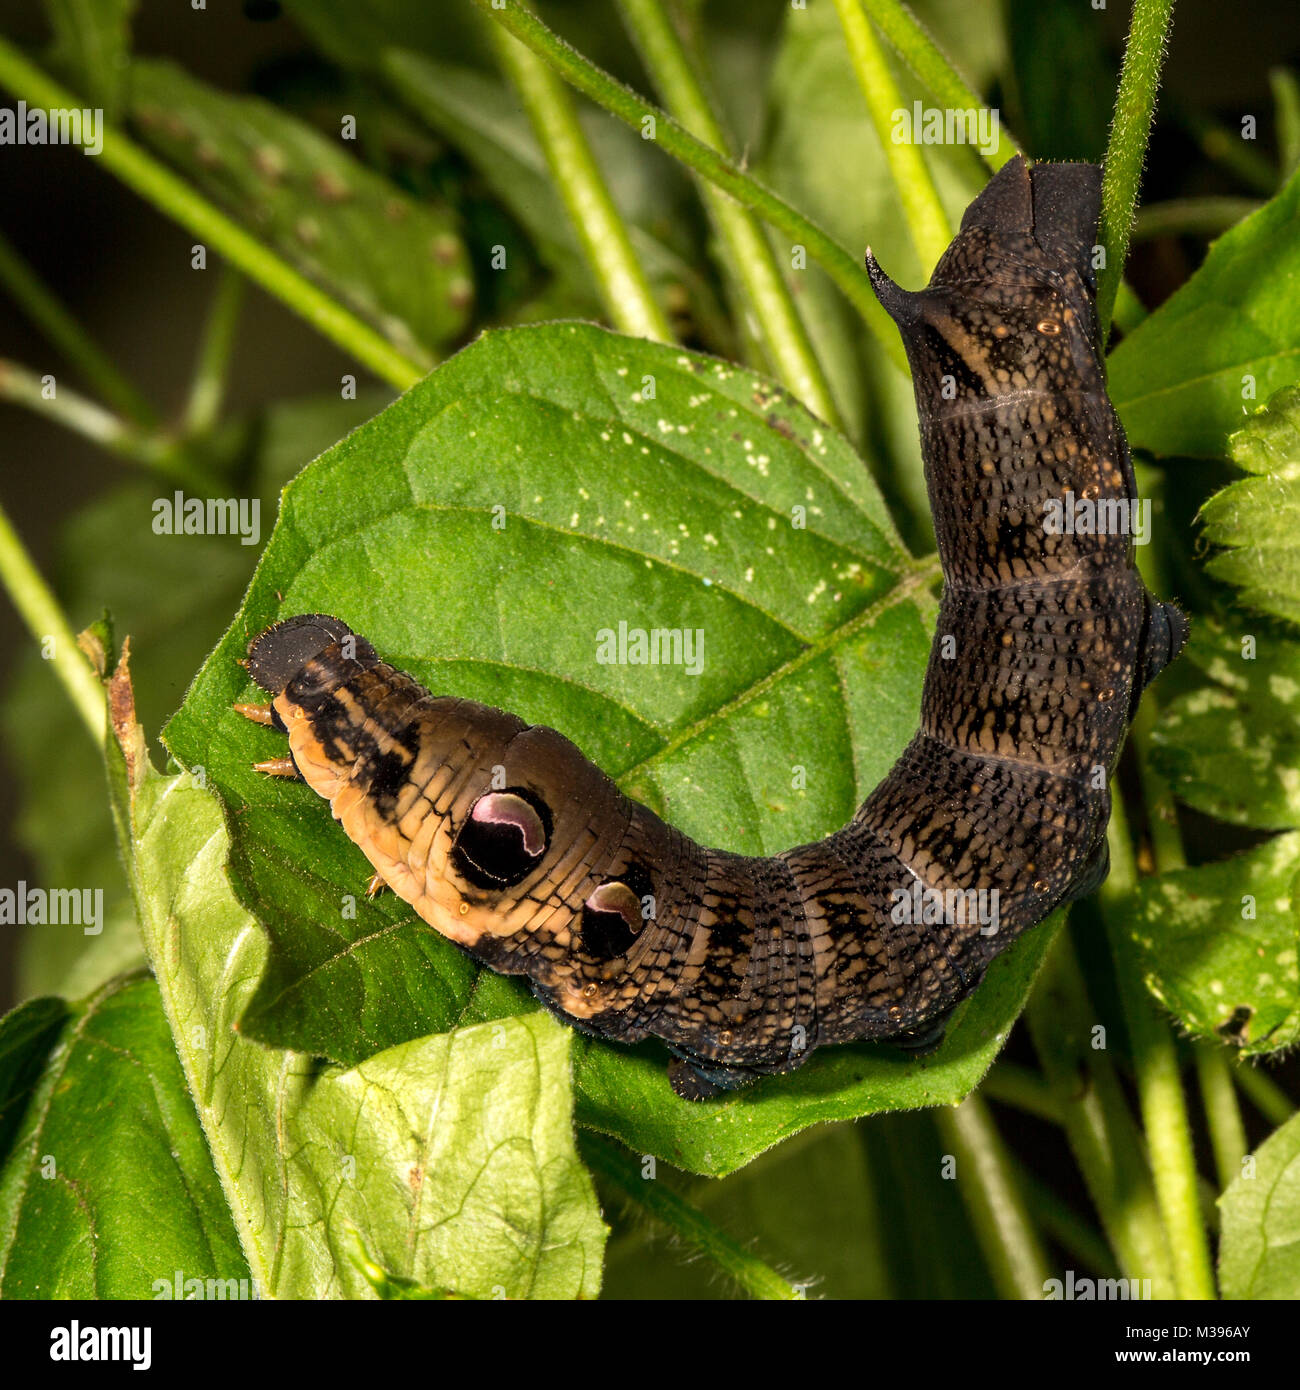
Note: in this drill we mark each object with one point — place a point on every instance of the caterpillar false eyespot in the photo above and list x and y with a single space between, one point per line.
627 928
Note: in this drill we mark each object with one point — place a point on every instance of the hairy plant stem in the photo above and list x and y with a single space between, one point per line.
601 231
1135 104
1155 1057
990 1188
1222 1113
1159 1081
1264 1094
50 629
844 269
926 220
209 383
917 48
1022 1089
1192 217
913 43
1103 1138
149 449
43 307
623 1169
749 260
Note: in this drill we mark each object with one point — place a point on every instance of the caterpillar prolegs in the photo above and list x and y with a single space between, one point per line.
510 842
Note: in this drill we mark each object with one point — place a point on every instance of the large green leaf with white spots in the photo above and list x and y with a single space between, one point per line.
1219 945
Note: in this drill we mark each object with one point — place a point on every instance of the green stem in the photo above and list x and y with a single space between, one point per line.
1102 1136
40 610
604 238
1264 1093
926 219
46 311
1162 816
1222 1113
174 197
1286 102
927 60
1159 1082
1022 1088
613 1163
621 101
990 1189
749 255
148 449
1192 217
1155 1057
209 384
1135 105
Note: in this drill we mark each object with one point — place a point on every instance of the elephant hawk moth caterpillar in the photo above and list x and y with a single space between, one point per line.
628 929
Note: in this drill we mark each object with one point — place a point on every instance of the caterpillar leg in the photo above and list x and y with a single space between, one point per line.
279 767
273 767
375 886
259 714
696 1080
920 1042
1092 875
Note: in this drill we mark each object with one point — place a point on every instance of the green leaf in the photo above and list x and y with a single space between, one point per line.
1258 518
1232 747
400 264
1218 945
1259 1252
106 1185
450 1157
1179 380
617 506
92 43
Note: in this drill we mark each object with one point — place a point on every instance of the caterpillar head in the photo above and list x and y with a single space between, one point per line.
1010 304
278 654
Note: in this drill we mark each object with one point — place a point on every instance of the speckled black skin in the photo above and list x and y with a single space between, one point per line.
744 966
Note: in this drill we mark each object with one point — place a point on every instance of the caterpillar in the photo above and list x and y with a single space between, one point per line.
512 844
